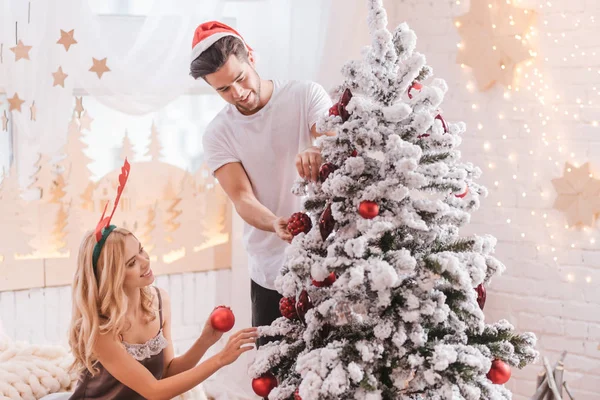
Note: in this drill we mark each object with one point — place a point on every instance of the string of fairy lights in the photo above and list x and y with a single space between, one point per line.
547 122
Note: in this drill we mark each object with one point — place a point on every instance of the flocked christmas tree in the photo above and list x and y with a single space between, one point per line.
383 297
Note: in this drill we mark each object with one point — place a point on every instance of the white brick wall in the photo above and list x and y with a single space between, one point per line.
536 293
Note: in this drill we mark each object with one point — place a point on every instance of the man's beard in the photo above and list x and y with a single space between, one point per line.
252 106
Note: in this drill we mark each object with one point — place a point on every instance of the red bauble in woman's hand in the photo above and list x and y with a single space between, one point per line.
222 319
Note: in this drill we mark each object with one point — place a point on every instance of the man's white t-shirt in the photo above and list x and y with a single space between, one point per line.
266 144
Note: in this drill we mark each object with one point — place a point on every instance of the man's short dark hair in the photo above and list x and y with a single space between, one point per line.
216 56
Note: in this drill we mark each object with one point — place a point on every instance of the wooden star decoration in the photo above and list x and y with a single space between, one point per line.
99 67
4 122
33 111
67 39
494 40
578 195
21 51
79 106
59 77
15 103
85 122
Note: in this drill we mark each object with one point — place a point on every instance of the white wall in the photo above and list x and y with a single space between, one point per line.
552 299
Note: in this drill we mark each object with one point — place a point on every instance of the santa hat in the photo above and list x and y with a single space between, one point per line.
208 33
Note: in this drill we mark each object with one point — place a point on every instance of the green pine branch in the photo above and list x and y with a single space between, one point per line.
459 246
442 187
433 158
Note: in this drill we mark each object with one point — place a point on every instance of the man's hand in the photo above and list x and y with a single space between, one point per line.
308 163
280 226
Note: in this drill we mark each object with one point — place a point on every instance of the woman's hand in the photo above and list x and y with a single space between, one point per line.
209 334
238 343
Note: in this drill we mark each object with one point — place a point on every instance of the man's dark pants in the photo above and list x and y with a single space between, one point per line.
265 308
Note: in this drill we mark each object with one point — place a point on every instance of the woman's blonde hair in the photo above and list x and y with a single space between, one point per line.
99 302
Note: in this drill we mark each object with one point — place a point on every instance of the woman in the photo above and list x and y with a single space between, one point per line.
120 333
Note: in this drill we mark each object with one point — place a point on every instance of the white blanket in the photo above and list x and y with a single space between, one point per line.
30 372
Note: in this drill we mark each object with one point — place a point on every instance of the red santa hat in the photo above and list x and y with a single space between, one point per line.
208 33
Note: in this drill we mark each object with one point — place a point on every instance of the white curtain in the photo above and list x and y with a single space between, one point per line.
148 57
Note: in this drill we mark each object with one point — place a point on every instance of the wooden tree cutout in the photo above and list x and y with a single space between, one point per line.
155 148
13 239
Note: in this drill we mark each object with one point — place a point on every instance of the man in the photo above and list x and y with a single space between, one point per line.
252 146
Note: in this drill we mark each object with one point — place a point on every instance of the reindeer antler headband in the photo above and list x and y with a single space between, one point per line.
104 228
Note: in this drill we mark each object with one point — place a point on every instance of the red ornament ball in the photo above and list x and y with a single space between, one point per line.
287 307
416 86
443 121
462 195
222 319
298 223
481 294
499 374
327 282
297 395
263 385
354 153
334 111
326 170
368 209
